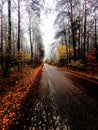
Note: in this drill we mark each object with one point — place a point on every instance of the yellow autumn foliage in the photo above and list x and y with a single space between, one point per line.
22 56
63 50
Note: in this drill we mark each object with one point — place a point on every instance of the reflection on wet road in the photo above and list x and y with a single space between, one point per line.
62 104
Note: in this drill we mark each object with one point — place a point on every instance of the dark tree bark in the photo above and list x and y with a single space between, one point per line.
1 47
73 32
8 50
67 55
31 41
79 44
88 35
9 26
18 41
84 46
95 40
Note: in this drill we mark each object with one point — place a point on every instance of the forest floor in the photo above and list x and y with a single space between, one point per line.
13 90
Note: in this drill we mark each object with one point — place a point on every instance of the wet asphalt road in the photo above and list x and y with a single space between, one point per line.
62 101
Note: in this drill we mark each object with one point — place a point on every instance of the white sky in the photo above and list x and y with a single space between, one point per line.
47 27
47 31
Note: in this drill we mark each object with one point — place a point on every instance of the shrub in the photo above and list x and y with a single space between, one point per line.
76 65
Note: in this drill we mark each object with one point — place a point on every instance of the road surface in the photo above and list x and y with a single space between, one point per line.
62 101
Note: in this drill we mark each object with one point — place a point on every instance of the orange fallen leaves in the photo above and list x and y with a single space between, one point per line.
7 120
12 100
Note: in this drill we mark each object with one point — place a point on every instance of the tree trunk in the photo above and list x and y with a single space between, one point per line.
88 42
1 47
95 42
8 50
73 33
79 44
18 42
31 43
9 26
84 46
67 55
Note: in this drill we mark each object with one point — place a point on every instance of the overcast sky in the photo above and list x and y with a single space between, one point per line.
47 27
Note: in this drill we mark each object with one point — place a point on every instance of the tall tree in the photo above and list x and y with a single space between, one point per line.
68 11
9 27
72 29
31 34
18 41
85 20
31 30
8 48
1 44
95 40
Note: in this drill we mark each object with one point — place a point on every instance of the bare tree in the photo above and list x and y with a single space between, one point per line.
1 44
85 20
8 47
18 41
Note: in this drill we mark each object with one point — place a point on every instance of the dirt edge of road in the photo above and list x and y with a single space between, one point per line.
81 75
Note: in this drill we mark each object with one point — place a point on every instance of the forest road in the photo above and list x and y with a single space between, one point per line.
65 102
